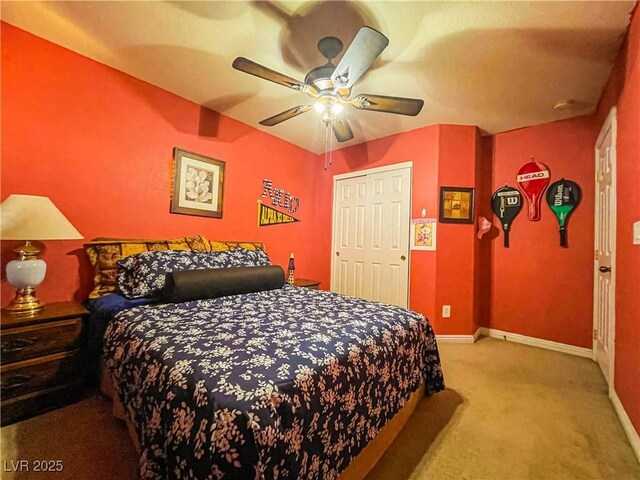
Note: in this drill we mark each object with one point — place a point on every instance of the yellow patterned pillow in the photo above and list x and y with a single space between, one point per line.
105 252
216 246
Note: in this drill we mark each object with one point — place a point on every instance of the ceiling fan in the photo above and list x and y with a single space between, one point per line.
329 86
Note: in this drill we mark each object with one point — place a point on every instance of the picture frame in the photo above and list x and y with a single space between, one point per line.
198 184
423 234
457 205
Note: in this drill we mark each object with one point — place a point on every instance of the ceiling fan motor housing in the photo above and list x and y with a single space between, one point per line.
320 79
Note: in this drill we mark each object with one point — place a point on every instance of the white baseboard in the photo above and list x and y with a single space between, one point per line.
536 342
455 338
477 334
632 435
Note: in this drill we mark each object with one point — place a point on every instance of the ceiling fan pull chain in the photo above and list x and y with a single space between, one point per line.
330 137
327 145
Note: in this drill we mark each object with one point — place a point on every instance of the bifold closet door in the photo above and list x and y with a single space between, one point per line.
371 236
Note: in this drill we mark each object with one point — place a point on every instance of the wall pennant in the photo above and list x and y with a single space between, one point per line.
563 197
270 216
533 178
506 203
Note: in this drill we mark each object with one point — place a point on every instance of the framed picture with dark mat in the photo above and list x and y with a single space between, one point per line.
456 204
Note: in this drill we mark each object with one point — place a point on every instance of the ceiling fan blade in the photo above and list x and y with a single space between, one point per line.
381 103
286 115
253 68
341 129
364 49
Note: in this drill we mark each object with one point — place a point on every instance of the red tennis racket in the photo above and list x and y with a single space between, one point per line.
533 178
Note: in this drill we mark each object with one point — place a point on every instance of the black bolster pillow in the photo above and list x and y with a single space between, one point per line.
187 285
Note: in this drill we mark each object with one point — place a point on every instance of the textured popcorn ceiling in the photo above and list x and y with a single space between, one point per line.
497 65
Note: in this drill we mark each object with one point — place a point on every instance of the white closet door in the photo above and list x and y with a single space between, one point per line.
371 236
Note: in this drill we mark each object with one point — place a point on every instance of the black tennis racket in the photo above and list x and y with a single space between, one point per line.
506 204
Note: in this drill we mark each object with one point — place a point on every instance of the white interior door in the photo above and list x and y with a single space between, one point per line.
605 248
371 235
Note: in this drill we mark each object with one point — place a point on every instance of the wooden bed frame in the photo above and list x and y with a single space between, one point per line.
357 469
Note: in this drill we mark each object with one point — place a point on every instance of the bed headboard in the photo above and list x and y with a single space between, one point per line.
104 252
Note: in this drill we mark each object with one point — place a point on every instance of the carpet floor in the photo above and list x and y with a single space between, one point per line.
509 412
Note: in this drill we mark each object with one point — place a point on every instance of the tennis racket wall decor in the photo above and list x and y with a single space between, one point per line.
563 197
533 178
506 203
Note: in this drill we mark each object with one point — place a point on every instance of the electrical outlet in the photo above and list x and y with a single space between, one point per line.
446 311
636 233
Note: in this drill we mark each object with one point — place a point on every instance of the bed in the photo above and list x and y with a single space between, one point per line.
283 383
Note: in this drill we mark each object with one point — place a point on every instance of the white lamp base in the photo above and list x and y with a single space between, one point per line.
25 275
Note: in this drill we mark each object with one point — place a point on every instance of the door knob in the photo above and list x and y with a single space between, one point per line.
403 258
605 269
337 254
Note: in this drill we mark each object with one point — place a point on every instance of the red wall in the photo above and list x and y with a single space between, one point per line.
456 243
623 90
99 143
441 155
540 289
483 277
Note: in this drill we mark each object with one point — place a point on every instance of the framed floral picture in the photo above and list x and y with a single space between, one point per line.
423 234
456 205
198 184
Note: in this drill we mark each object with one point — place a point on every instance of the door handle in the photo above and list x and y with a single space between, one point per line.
337 254
605 269
403 258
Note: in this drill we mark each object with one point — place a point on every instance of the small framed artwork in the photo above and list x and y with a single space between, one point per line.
423 234
456 205
198 184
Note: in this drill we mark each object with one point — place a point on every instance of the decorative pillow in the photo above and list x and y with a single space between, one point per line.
217 246
105 252
144 275
188 285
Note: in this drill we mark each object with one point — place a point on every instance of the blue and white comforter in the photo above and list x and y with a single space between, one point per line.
282 384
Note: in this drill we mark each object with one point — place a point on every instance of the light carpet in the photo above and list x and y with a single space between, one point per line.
509 412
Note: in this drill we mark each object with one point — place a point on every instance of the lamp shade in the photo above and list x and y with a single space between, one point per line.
29 217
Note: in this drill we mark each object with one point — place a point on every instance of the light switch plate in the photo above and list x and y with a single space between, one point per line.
636 233
446 311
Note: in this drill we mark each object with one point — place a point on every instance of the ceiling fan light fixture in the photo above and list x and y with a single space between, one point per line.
337 108
319 107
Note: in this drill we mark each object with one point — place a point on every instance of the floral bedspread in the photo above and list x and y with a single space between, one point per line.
283 384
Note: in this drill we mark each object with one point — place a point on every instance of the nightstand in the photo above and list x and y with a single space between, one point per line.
41 367
305 283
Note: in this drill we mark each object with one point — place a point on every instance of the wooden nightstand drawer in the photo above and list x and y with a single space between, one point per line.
27 376
35 403
37 340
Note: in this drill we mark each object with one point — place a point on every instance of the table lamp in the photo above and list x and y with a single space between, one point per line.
28 217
